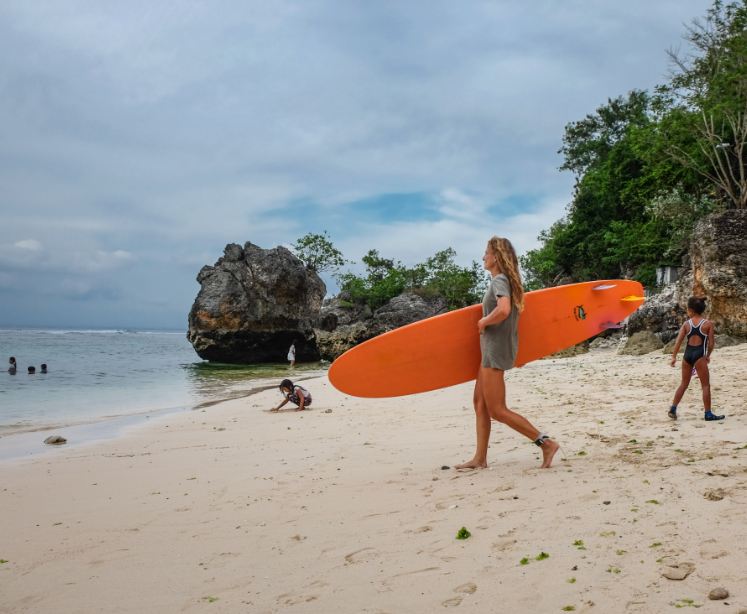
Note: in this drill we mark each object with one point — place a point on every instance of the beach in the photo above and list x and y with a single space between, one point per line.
354 505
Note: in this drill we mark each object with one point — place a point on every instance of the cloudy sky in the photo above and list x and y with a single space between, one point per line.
138 138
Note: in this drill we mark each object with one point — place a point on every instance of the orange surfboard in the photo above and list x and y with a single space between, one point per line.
445 350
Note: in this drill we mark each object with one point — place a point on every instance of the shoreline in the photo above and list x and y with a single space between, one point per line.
23 443
354 505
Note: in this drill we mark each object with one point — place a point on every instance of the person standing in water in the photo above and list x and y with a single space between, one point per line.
499 342
12 366
700 344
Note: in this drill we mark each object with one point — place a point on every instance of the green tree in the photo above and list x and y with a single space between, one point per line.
318 253
384 280
438 275
460 286
711 85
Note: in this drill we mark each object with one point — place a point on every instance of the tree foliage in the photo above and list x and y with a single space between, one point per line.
712 85
648 166
318 253
438 275
385 278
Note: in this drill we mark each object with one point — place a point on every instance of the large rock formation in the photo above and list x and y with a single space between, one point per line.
343 324
253 303
717 271
662 314
642 342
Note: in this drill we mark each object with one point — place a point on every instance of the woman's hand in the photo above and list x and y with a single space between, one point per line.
674 360
481 325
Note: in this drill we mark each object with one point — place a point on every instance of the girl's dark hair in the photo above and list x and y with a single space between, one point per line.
286 383
697 304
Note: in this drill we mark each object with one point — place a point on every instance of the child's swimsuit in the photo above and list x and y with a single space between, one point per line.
693 353
293 397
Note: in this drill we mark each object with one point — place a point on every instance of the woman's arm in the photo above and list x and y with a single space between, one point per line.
500 313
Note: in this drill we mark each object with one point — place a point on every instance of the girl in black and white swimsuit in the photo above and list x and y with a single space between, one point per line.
295 394
699 334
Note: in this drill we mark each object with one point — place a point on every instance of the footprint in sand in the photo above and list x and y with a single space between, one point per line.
467 587
452 603
291 599
449 503
709 549
360 556
503 544
715 494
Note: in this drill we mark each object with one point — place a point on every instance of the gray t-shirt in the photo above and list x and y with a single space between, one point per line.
500 342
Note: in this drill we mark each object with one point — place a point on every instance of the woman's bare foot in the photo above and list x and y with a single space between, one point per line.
473 464
549 448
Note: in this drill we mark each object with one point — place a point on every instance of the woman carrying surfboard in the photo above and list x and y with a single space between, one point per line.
498 328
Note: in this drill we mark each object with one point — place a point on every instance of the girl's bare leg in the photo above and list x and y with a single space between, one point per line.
687 373
494 391
701 366
482 429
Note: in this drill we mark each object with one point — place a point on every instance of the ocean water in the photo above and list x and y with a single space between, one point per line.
97 374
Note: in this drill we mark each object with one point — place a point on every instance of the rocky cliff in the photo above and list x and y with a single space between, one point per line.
661 314
252 304
343 324
717 271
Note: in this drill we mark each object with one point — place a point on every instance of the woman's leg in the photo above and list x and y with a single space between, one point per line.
482 430
701 366
687 373
494 391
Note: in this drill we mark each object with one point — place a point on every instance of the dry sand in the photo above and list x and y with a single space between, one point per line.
346 507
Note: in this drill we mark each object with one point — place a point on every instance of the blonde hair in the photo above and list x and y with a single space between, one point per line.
505 255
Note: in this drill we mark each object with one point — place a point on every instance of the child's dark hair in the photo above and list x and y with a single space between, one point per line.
286 383
697 304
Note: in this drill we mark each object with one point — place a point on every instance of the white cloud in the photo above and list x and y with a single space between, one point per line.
31 245
412 242
62 256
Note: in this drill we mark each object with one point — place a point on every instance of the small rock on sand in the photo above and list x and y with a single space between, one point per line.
718 593
680 571
55 440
